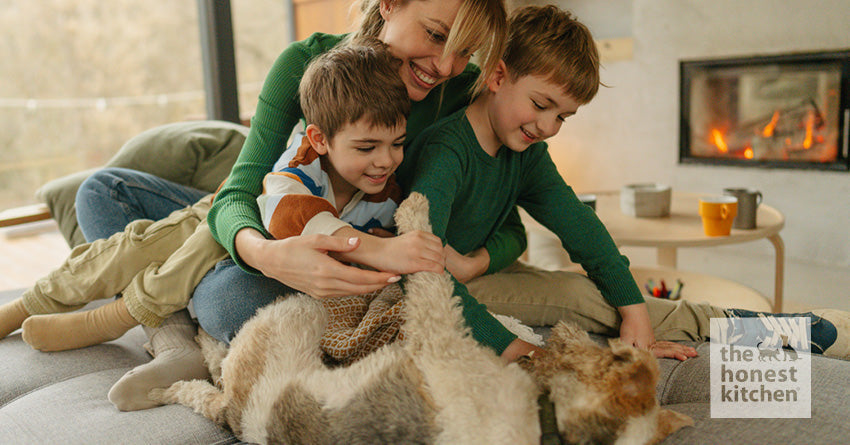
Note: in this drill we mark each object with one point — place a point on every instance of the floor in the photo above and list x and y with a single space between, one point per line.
28 253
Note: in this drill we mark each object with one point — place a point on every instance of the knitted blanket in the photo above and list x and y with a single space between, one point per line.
360 324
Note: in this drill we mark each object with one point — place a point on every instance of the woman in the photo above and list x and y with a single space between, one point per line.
434 39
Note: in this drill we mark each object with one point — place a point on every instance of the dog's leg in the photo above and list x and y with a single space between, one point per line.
428 293
199 395
214 352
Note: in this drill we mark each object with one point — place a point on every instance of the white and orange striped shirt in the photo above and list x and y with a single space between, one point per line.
297 199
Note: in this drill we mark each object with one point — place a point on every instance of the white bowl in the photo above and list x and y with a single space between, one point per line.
647 200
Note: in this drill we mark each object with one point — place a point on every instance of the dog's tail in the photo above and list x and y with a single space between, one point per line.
432 310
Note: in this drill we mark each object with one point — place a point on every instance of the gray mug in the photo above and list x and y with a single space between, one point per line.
748 202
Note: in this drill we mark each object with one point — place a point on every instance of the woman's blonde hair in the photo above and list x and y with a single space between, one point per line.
480 26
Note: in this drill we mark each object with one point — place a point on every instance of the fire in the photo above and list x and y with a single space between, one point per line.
717 138
748 153
810 125
771 126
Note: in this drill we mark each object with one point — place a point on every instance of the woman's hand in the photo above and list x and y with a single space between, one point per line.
412 252
303 263
463 267
415 251
467 267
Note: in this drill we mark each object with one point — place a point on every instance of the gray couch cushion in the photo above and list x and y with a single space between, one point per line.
76 411
60 397
823 428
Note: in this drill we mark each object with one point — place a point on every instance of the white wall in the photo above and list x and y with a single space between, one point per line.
629 133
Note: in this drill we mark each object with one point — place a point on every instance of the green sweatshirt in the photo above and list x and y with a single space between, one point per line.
472 193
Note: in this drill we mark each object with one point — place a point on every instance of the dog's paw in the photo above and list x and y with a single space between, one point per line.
412 214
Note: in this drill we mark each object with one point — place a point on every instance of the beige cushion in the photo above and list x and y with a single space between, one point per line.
199 154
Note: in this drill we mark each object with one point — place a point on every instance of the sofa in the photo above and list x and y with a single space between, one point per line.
60 397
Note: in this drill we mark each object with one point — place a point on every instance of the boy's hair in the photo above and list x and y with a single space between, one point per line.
480 27
549 42
351 82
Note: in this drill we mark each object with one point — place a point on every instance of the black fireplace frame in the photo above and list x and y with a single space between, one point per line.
687 68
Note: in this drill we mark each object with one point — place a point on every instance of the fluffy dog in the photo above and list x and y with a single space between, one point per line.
437 386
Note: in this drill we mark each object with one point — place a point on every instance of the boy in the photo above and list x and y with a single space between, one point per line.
477 164
357 107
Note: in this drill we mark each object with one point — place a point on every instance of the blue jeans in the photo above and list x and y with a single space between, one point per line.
111 198
228 296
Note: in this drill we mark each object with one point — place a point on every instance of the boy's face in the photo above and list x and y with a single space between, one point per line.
527 110
363 156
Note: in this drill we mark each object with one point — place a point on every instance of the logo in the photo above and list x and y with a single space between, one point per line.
761 367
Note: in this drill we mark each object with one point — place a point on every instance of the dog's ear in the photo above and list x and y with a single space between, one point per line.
668 423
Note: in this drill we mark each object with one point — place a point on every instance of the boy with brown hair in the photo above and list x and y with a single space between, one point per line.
476 165
342 176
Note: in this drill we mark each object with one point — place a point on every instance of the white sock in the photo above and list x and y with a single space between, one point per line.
176 357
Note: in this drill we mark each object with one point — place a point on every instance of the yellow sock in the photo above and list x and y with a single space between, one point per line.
60 332
12 314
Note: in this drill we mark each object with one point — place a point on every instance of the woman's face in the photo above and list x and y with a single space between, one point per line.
416 33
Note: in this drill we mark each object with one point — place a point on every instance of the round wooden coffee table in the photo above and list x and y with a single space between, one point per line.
683 228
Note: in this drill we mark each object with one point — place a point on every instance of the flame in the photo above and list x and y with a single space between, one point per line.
748 153
771 126
717 138
810 124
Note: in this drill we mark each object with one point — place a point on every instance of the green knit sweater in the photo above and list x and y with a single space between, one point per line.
471 194
278 111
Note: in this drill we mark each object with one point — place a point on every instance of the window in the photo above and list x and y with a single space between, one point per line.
81 77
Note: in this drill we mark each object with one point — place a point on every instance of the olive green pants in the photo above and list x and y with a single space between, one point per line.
155 265
538 298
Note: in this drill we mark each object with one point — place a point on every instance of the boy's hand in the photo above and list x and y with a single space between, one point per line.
669 349
467 267
636 330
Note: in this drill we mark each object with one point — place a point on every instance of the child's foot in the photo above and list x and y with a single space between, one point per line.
830 329
177 357
12 315
60 332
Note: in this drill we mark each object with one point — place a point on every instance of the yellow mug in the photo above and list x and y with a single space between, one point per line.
718 212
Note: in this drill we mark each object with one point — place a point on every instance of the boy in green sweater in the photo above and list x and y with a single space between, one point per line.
477 164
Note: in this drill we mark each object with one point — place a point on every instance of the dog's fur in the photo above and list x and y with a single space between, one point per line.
438 386
602 395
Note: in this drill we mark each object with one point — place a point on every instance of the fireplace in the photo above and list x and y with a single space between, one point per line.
784 111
